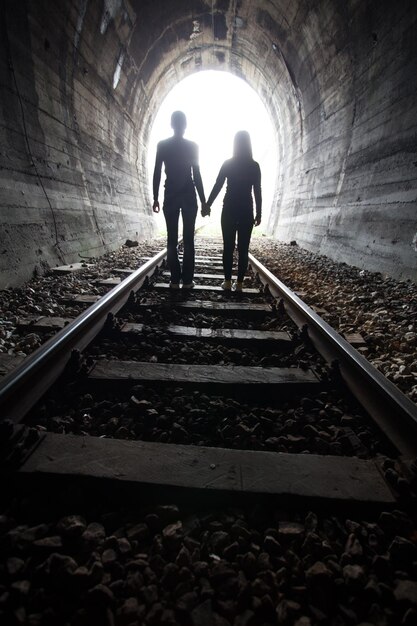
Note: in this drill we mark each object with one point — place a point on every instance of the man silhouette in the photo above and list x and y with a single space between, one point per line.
182 171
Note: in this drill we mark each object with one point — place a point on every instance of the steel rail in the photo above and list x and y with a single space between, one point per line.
25 384
395 414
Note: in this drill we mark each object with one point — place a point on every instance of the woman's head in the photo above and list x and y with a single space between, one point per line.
242 146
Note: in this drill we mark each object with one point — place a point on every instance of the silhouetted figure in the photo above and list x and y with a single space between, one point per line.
243 174
180 158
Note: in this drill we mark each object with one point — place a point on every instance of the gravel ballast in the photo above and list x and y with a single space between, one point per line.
382 309
167 565
324 423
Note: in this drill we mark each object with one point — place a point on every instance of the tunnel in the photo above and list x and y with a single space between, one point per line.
82 80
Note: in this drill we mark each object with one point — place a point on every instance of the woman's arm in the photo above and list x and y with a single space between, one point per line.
258 195
217 185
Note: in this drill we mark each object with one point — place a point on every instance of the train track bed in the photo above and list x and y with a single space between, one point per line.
178 328
131 381
327 421
152 310
159 347
258 489
381 310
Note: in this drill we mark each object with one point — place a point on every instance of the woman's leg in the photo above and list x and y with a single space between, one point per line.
244 232
229 236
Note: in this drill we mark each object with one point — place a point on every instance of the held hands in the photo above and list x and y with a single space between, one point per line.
155 207
205 209
257 220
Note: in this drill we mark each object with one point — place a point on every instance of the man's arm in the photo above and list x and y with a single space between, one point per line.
197 176
199 183
258 196
157 179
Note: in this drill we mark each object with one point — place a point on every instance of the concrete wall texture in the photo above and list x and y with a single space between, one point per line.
81 81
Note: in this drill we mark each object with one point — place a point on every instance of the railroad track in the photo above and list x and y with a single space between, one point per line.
204 391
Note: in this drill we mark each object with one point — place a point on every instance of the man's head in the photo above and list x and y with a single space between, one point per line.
178 123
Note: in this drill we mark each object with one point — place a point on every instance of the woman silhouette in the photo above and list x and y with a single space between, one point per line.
243 174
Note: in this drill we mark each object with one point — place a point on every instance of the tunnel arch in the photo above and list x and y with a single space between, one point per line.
284 110
81 81
217 104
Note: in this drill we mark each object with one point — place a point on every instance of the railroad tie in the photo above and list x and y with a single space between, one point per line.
8 362
247 290
239 376
235 308
141 463
282 340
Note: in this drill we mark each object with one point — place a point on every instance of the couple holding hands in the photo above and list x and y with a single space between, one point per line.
183 177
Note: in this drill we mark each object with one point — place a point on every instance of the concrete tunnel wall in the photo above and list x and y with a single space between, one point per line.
81 81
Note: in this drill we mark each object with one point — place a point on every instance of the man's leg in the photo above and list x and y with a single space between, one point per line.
172 214
244 232
229 236
189 214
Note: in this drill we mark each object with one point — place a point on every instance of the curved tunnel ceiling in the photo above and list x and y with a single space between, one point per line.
338 78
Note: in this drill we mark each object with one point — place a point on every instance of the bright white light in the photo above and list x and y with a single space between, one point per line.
217 105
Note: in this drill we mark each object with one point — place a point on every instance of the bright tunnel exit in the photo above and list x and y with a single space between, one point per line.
217 105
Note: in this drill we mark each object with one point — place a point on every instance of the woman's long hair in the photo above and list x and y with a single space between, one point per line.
242 146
